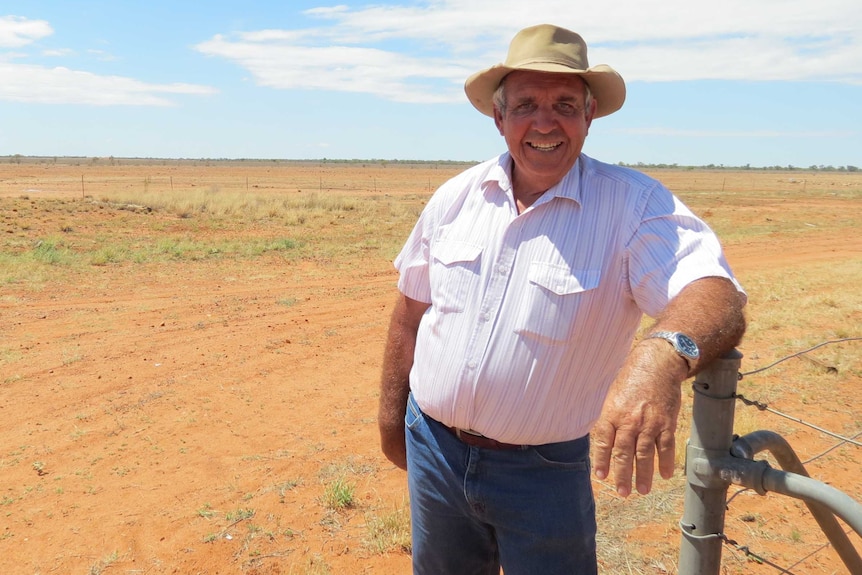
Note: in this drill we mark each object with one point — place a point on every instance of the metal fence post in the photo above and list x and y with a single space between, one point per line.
702 522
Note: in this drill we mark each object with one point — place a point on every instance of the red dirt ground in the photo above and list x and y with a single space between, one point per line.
144 407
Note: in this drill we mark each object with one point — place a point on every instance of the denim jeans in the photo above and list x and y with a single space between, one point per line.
473 510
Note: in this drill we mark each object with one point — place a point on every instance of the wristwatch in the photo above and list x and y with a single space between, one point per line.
681 343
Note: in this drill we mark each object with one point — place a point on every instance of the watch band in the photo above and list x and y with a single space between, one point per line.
682 344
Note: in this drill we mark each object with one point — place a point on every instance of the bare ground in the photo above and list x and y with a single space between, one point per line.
189 417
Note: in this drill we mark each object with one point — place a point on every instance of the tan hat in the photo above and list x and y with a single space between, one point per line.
546 48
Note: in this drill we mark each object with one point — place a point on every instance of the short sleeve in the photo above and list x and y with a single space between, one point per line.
671 248
412 262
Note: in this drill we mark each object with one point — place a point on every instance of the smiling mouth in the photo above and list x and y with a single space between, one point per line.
544 147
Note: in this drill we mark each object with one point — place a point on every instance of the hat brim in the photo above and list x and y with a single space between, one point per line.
606 85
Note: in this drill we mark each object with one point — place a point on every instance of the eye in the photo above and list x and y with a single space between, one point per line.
524 109
565 108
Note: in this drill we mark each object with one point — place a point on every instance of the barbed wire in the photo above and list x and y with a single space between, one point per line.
762 406
826 545
797 354
819 549
834 447
733 545
686 531
765 407
807 461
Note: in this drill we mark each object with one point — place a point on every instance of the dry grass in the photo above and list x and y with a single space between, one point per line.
389 531
314 227
127 225
808 308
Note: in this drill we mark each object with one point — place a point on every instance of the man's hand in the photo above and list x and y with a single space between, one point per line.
395 381
639 418
393 443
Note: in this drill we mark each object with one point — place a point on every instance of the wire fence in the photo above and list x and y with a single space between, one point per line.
237 177
745 550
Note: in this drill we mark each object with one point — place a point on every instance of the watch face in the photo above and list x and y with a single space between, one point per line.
687 346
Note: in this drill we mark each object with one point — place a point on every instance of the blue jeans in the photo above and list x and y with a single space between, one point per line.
473 510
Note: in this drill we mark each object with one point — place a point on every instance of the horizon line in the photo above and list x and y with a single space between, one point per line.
94 160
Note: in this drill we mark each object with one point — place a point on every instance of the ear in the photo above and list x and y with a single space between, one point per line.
498 120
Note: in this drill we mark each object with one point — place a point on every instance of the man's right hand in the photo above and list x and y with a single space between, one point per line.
395 382
393 443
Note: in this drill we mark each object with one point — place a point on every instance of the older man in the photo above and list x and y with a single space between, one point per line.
521 287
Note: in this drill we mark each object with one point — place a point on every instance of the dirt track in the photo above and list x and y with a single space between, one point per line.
144 406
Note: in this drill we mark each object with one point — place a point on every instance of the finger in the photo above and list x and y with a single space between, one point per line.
645 461
603 440
623 461
666 444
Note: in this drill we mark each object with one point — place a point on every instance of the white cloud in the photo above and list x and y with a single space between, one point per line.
279 62
39 84
402 51
16 31
102 56
328 10
58 52
744 58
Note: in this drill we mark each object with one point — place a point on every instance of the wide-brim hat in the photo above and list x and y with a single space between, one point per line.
547 48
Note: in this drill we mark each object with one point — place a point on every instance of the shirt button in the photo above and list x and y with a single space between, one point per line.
502 270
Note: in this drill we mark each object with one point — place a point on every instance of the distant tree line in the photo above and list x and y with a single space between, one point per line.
789 167
111 160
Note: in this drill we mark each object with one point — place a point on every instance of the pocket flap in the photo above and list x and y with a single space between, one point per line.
450 252
562 280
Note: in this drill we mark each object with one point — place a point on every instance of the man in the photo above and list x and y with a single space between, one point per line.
521 289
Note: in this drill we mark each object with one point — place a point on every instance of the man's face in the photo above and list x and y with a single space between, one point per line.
544 124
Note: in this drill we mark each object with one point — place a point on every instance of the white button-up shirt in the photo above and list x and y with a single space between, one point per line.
533 314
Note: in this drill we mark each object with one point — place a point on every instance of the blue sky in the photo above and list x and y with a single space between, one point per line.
759 82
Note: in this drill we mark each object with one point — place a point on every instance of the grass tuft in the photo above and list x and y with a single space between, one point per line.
389 532
339 494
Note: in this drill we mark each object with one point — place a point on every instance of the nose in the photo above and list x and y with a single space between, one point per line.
544 119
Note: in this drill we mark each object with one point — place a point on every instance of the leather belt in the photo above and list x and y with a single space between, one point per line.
478 440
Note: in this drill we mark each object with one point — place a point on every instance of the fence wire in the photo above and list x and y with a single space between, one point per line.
797 354
762 406
765 407
749 554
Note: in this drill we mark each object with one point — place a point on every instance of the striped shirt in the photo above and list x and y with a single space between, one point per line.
533 314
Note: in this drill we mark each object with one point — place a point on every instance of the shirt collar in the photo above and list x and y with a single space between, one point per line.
500 177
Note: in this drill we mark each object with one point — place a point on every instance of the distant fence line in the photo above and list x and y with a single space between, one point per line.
94 185
401 178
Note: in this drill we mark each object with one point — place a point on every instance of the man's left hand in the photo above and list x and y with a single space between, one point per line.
639 418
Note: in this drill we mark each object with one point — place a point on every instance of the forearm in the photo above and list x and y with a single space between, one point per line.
395 379
710 311
640 413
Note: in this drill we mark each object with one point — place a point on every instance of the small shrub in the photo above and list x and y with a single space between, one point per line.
239 514
50 251
389 532
340 494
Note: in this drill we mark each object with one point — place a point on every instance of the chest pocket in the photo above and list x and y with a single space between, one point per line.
552 298
454 273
